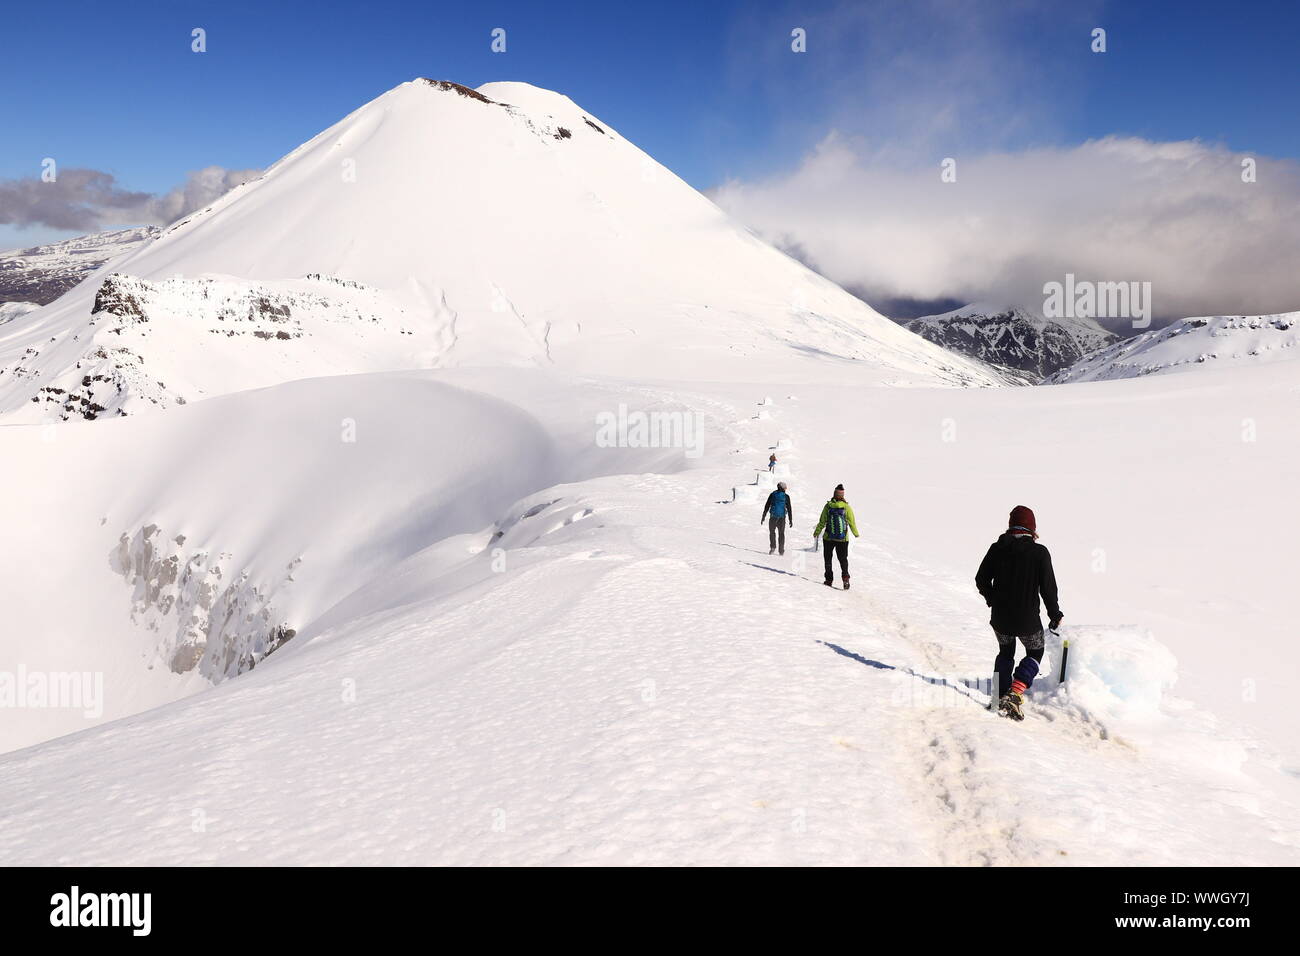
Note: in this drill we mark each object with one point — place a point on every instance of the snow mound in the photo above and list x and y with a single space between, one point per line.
1120 680
216 531
219 534
1115 673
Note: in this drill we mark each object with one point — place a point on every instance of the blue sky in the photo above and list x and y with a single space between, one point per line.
710 89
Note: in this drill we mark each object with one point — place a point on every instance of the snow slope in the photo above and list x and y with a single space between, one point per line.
1026 344
613 670
500 227
176 551
13 310
1187 343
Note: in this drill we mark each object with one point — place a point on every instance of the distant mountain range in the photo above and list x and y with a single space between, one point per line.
40 274
1025 346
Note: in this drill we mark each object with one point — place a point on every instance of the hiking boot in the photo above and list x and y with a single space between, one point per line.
846 584
1012 705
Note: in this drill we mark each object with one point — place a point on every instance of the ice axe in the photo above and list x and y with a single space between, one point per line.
1065 652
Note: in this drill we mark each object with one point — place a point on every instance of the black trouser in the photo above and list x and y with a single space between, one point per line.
833 548
1028 668
775 525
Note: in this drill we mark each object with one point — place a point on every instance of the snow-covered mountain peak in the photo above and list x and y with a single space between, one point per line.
450 87
531 99
503 226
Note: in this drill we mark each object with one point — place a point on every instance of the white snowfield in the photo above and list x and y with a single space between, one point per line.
504 656
1217 340
519 610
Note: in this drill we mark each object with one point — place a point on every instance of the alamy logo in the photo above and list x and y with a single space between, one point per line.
1107 300
635 429
75 908
53 690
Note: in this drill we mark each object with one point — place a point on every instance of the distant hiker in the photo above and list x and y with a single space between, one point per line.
782 509
837 518
771 463
1016 571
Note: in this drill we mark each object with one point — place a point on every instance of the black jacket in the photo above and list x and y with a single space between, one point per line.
1016 570
789 507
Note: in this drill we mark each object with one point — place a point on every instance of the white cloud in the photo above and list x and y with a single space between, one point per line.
1176 214
199 190
89 200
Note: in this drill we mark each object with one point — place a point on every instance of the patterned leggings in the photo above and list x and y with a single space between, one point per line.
1027 670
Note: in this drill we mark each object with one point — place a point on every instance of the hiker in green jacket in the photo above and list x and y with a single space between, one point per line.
837 519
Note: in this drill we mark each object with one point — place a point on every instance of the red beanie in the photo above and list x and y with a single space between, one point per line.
1022 517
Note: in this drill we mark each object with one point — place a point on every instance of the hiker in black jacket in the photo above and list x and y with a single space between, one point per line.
782 509
1013 575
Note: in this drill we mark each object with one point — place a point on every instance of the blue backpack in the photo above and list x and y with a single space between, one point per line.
778 504
837 524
